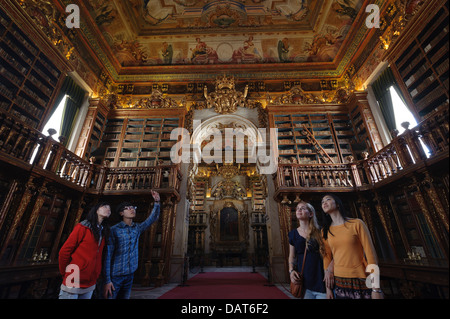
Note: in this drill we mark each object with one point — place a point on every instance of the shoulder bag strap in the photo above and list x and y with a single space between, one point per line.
304 257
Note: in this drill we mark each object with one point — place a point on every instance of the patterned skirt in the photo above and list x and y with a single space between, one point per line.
351 288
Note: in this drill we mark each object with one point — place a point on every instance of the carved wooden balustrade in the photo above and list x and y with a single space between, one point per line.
33 151
405 153
314 176
142 178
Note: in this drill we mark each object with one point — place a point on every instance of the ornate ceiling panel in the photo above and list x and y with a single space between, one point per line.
182 40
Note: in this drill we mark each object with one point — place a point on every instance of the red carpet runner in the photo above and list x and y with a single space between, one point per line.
226 285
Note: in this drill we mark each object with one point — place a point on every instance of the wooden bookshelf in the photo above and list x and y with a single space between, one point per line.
92 130
139 142
199 196
420 61
28 78
367 137
413 233
258 195
361 135
330 132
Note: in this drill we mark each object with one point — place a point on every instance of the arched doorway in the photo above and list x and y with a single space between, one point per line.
227 212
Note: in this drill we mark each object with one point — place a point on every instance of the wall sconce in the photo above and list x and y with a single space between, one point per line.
208 192
249 193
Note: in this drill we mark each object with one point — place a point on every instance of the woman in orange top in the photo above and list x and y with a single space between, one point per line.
349 245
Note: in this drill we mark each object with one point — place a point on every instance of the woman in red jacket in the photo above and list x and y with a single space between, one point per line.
80 258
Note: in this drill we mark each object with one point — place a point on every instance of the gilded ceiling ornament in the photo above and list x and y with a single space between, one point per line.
224 17
130 52
49 20
296 95
398 14
156 100
187 3
301 13
225 99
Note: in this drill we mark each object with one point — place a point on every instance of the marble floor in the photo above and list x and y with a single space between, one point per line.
155 292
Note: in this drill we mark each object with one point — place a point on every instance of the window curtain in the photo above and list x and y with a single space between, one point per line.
381 90
65 88
75 96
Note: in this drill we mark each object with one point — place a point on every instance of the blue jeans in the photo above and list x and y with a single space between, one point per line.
122 286
309 294
67 295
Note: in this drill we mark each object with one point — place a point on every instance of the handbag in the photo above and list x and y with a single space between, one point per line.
297 287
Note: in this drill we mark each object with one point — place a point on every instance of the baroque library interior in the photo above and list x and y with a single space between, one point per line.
234 112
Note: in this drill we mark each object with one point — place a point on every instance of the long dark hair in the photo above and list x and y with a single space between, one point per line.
327 219
92 218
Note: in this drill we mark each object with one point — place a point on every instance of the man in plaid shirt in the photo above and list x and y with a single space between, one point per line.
122 251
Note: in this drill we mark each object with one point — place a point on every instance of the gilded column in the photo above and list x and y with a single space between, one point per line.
366 215
429 218
385 221
7 202
167 235
30 189
442 211
31 222
285 226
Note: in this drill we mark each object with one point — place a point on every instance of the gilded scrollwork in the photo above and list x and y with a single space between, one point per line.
225 99
156 100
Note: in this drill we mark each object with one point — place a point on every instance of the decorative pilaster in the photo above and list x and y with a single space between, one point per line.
383 213
429 217
30 189
32 221
442 212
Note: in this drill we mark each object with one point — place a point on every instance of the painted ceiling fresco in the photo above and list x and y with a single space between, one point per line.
141 33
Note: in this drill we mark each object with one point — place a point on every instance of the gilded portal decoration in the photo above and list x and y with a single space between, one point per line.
225 99
228 170
228 188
